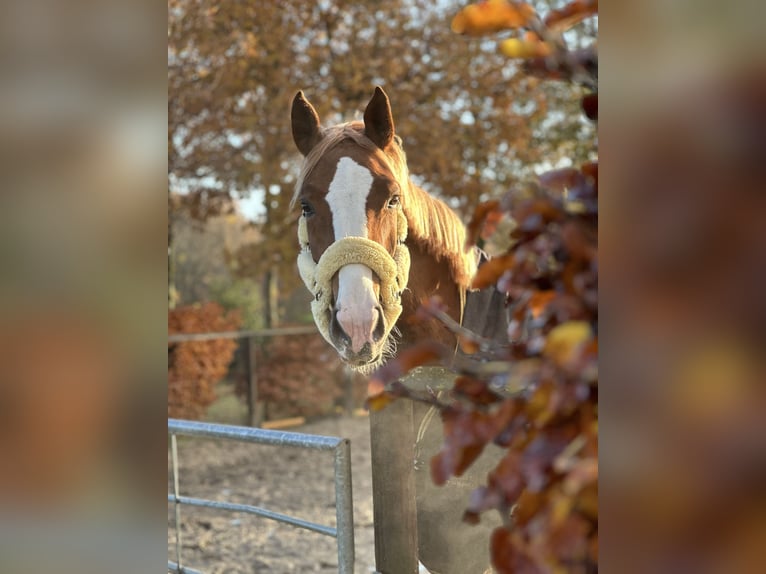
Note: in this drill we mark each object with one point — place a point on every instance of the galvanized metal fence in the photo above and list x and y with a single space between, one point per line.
341 448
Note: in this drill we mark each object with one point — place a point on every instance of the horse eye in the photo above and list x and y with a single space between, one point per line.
307 210
393 202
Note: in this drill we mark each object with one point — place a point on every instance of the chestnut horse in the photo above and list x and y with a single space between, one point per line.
373 246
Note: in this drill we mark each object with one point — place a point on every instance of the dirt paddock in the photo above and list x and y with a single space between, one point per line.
291 481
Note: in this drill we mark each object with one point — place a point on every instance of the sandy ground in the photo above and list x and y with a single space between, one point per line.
290 481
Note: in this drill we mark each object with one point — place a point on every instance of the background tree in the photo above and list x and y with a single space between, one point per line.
471 122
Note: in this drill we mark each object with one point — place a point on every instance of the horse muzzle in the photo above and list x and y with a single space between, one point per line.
351 336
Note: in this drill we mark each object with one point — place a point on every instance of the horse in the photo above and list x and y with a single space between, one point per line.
373 246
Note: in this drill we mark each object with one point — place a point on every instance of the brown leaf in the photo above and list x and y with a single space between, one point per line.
539 302
590 106
509 554
571 14
480 215
579 242
527 506
506 478
569 541
491 271
561 180
453 462
405 361
534 214
475 390
466 433
590 170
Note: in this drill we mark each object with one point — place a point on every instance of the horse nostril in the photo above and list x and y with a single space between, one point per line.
336 331
380 326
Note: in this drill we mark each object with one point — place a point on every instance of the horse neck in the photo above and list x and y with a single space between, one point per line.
429 277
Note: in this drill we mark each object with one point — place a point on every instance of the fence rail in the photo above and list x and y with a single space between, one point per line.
254 417
341 448
184 337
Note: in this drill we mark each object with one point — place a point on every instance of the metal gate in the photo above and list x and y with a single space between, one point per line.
344 530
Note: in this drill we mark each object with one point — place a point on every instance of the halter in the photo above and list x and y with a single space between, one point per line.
393 272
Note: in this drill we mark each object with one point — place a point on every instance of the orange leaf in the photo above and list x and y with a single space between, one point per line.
515 48
490 272
571 14
480 214
380 401
539 302
527 506
468 345
406 360
491 16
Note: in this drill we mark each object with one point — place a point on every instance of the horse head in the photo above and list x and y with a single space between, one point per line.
352 228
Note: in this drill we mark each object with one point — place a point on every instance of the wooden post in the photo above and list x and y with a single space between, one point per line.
393 489
253 414
348 391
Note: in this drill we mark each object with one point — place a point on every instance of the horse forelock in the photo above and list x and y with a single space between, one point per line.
430 221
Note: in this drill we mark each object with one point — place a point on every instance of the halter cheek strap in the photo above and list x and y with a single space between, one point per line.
393 272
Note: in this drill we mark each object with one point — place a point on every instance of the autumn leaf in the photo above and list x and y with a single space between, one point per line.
590 170
482 212
490 272
561 180
466 433
571 14
477 391
509 554
527 506
579 244
468 345
405 361
590 106
539 302
491 16
516 48
379 401
565 342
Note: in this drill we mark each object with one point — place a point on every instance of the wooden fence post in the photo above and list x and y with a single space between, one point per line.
392 441
348 391
253 411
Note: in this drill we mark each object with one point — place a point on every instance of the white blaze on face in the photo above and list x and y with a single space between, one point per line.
357 303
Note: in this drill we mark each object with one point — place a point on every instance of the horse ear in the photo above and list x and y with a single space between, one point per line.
378 121
305 121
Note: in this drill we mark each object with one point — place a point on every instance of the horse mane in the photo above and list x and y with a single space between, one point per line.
430 221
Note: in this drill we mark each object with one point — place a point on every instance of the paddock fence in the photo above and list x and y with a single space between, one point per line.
249 341
343 532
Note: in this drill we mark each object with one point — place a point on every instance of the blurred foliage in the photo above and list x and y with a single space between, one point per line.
300 375
538 398
243 295
202 264
195 367
473 123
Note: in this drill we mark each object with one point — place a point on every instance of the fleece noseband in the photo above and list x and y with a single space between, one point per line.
393 272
